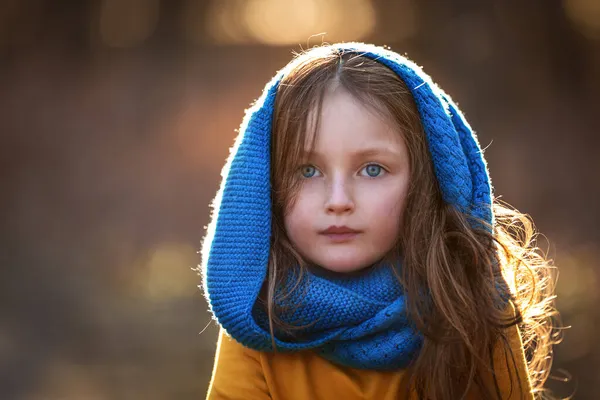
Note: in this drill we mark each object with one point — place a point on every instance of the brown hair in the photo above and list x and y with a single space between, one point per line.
460 320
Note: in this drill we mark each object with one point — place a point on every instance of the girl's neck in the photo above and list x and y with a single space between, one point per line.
328 274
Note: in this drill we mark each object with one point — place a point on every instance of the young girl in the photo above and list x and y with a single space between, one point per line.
355 250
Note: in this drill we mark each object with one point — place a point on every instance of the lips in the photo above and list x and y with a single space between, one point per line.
333 230
340 234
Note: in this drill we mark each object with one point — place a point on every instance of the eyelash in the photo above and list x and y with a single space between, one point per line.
383 170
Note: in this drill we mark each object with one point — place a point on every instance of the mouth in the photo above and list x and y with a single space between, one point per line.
340 233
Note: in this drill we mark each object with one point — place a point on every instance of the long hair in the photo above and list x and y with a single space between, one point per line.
460 266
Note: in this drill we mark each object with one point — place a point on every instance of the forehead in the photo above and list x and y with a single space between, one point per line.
346 123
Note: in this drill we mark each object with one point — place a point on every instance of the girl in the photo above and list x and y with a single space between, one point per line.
355 251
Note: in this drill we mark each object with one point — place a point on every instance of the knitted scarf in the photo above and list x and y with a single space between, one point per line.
358 321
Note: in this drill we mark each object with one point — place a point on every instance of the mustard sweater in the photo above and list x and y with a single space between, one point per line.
242 373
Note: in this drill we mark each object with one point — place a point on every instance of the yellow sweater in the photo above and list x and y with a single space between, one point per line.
242 373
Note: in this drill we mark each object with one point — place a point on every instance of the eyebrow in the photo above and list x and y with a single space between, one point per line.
368 152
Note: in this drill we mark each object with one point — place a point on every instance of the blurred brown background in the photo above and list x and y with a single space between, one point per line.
116 117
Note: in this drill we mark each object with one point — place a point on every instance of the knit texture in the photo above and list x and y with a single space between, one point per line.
358 321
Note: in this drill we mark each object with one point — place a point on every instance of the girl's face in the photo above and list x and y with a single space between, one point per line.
348 211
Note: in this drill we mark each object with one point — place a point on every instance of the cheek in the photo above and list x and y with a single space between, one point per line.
298 218
386 219
387 204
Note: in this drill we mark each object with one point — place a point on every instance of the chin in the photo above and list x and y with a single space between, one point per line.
344 266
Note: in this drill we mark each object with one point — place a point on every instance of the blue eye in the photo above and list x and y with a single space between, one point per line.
373 170
308 171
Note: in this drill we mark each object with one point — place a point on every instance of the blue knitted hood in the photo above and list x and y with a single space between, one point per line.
236 248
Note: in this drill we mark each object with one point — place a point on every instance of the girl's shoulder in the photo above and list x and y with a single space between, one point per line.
241 372
237 372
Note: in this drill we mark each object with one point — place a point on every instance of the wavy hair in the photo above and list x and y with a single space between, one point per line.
459 265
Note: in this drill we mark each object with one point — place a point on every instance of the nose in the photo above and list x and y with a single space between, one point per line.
339 199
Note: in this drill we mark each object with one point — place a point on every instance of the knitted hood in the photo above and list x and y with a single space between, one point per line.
236 248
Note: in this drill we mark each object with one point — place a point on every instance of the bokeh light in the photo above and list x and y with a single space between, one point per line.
276 22
585 16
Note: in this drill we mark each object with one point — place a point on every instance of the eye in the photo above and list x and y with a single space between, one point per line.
308 171
373 170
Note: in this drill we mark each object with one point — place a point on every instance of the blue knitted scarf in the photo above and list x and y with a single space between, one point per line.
355 320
